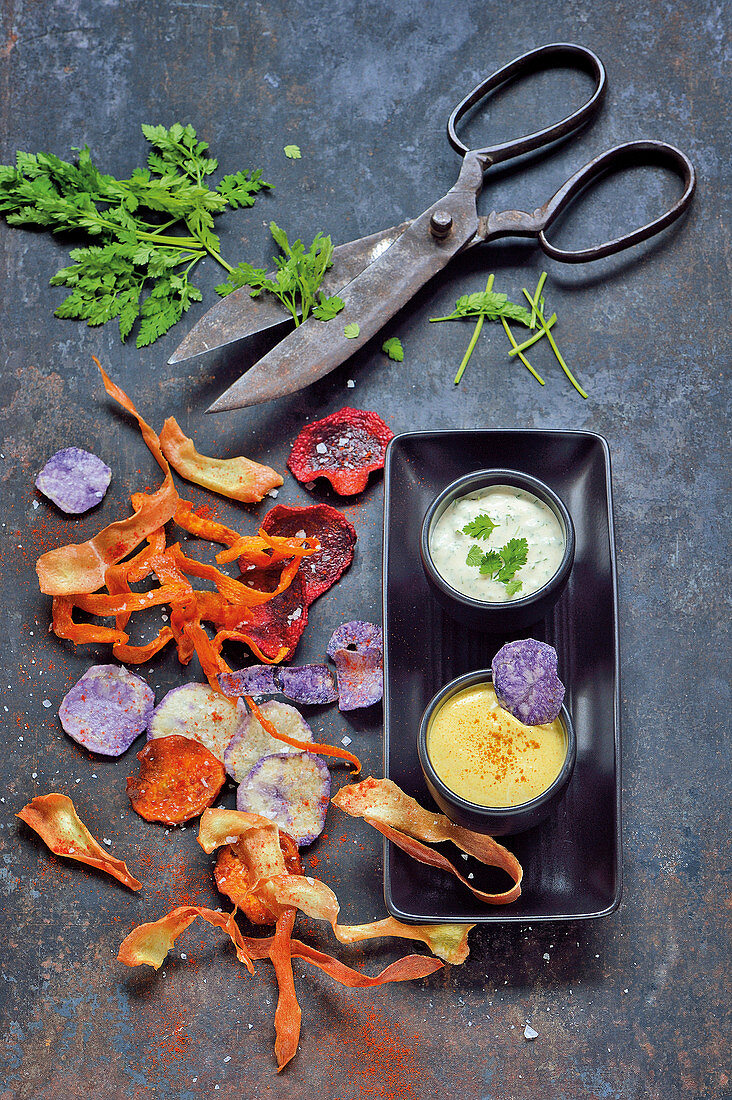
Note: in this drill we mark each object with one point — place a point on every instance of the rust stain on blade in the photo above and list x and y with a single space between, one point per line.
239 315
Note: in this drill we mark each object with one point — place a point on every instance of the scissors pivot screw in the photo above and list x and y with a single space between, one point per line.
440 224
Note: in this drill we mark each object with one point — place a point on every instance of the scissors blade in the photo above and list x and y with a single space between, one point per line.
238 315
370 299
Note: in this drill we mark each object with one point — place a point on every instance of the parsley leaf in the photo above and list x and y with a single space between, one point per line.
292 152
480 527
328 307
143 234
514 554
490 305
352 330
512 587
475 555
490 562
393 348
299 272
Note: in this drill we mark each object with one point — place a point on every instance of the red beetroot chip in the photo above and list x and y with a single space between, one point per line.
337 537
279 622
344 447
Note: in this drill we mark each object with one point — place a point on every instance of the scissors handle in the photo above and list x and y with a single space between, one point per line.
545 57
629 154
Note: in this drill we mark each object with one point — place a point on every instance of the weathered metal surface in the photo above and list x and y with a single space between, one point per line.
635 1007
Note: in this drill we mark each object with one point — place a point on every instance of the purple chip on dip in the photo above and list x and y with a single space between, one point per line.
254 680
74 480
107 709
356 649
307 684
526 681
293 790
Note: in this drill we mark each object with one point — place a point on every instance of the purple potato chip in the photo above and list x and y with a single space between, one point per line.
107 709
356 636
360 677
254 680
526 681
307 684
74 480
293 790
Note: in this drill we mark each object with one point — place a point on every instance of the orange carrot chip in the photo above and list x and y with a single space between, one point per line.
54 818
237 478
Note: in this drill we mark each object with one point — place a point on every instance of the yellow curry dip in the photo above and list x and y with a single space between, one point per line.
484 754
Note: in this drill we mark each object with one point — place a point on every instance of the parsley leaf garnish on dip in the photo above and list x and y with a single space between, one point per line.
520 547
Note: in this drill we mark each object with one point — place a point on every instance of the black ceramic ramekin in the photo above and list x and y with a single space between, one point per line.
514 614
494 820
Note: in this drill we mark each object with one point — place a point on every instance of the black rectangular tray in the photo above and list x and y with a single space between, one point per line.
573 861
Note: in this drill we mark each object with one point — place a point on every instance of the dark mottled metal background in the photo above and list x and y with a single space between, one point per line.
634 1006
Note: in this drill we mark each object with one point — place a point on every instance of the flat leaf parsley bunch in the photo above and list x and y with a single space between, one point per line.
148 231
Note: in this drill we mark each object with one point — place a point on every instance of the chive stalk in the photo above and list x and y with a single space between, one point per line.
520 354
555 349
474 337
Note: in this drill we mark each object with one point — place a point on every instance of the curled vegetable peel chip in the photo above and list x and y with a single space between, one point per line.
54 818
255 844
148 944
237 478
74 480
235 881
344 447
305 746
179 778
402 820
335 534
526 681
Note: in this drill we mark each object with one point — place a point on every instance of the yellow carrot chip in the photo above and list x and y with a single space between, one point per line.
148 944
54 818
447 941
404 822
236 478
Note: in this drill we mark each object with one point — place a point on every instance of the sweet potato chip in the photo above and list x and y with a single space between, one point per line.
344 447
236 478
148 944
179 778
54 818
336 535
403 821
233 879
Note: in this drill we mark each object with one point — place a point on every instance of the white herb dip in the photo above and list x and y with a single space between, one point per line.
517 514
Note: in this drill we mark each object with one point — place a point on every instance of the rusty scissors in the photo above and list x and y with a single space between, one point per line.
377 275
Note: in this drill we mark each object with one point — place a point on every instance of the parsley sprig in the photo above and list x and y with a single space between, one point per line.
147 232
297 278
499 564
486 305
